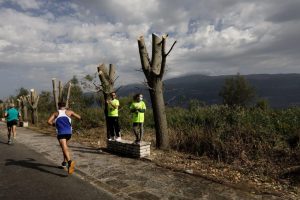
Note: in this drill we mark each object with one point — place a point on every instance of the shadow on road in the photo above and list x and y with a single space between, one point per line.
1 142
86 149
30 163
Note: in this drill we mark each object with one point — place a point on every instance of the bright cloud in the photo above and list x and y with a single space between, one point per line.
44 39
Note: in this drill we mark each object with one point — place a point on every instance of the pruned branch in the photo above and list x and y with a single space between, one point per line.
60 91
145 60
102 74
156 55
112 73
54 93
68 94
171 48
147 85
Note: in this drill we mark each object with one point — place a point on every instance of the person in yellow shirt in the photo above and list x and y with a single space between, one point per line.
138 108
113 117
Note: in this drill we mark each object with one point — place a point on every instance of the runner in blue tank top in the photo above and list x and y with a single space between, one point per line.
62 121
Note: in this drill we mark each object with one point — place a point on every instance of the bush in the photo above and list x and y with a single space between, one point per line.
223 132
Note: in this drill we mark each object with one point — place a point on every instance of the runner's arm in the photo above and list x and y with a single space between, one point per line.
75 115
51 119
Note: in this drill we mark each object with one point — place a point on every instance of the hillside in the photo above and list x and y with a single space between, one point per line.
281 90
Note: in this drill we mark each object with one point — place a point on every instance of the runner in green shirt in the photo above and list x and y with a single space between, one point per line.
12 116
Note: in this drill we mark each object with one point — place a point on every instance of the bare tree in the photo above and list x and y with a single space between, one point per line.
20 107
23 108
60 96
154 70
33 101
55 93
107 78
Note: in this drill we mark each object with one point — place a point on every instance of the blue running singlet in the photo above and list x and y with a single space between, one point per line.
63 123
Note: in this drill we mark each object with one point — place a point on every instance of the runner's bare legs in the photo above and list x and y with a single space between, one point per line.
14 131
65 149
9 133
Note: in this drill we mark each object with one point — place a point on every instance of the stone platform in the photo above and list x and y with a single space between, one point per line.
23 124
129 148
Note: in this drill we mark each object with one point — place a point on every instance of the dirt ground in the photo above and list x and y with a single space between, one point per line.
245 176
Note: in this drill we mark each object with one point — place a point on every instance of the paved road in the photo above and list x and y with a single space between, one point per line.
25 174
124 178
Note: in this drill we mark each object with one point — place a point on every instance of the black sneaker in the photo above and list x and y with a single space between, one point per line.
64 164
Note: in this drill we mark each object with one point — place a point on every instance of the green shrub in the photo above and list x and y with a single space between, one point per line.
223 132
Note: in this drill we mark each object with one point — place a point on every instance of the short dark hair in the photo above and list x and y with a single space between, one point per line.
111 94
136 96
61 104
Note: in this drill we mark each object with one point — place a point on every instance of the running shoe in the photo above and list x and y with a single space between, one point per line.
71 166
64 165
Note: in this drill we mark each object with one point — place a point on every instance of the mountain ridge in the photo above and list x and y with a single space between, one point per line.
281 90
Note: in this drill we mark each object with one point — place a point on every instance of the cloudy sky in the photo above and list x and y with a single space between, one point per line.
42 39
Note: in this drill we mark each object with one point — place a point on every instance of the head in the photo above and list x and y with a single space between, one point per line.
113 95
138 97
11 105
61 104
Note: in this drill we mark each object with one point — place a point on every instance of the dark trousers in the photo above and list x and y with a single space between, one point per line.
138 130
113 127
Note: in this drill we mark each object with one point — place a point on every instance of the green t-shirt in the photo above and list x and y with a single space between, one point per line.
12 114
138 117
113 112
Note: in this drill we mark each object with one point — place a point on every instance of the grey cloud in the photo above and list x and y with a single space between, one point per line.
284 12
248 36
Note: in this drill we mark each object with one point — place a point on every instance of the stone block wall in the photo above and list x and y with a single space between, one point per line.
128 148
23 124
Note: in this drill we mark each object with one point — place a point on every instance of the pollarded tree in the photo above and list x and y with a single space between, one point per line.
24 109
58 95
237 91
154 70
33 101
107 78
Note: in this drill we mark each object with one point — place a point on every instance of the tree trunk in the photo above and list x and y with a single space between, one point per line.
159 114
68 95
54 93
32 116
106 114
107 78
33 100
154 70
25 114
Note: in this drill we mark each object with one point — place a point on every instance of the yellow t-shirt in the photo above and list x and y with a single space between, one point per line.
113 112
138 117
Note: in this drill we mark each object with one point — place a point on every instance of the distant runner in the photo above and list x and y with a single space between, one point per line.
61 119
12 116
